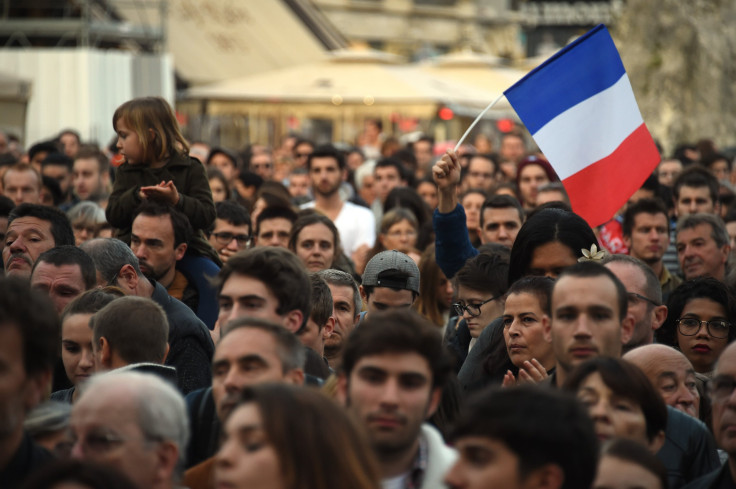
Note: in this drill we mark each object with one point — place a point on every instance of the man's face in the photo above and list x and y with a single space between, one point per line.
107 431
532 177
325 176
223 230
244 357
62 283
693 200
724 402
550 196
299 184
225 165
649 237
262 164
668 172
392 395
70 144
61 174
500 225
22 187
698 253
674 377
384 298
483 463
488 310
152 242
480 173
274 232
346 317
512 149
301 154
37 159
719 169
17 394
27 237
638 309
313 336
87 179
244 296
585 321
387 178
423 153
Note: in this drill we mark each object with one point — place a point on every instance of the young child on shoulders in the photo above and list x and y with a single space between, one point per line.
157 167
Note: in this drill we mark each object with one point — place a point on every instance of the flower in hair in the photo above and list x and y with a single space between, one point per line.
593 254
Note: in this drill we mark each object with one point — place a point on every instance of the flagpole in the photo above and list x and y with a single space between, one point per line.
480 116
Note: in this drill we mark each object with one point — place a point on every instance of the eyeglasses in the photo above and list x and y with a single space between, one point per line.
721 387
691 327
634 299
473 310
400 234
225 238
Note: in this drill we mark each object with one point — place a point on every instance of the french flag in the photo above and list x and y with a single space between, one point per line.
580 108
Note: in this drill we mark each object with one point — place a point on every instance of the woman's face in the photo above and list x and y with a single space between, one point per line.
523 332
76 347
531 178
84 230
316 247
445 292
219 192
550 259
401 236
472 204
702 349
246 458
616 473
614 416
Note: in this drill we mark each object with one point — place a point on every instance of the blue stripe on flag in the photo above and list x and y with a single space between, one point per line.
578 71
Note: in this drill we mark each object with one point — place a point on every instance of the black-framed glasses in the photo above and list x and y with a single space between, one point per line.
721 387
634 298
473 310
225 238
690 327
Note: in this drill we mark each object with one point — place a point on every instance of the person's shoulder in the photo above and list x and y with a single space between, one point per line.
182 160
708 480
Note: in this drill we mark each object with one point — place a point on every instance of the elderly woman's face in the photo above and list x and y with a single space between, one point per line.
614 416
84 230
401 236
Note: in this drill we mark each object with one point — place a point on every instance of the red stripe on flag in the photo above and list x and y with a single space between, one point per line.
599 190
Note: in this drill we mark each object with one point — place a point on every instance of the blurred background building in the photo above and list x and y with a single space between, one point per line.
253 71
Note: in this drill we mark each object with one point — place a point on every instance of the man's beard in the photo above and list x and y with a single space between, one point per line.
329 192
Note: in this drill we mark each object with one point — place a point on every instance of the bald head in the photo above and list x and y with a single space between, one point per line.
671 373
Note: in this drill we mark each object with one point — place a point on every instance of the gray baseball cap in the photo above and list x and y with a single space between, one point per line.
392 261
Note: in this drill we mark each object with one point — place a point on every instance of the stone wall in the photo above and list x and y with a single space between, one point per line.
681 59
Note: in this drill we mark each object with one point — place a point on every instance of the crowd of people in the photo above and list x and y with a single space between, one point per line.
174 314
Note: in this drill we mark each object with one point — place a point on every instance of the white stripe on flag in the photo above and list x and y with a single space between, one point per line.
590 130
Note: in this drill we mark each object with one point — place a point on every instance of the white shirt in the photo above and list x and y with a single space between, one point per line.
356 226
